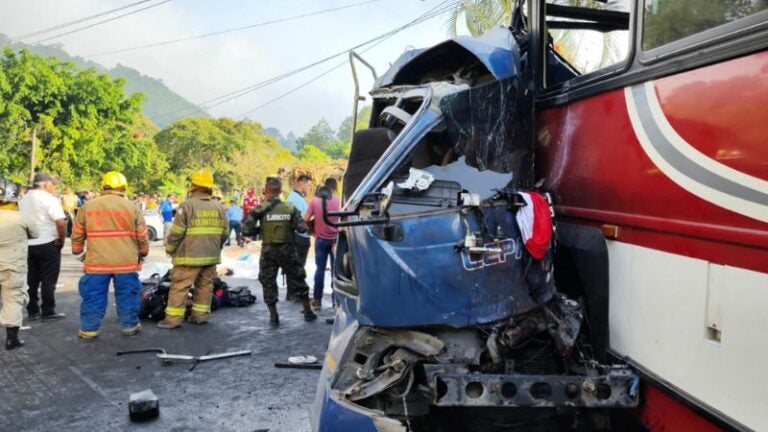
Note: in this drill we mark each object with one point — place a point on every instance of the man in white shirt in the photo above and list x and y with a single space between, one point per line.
41 207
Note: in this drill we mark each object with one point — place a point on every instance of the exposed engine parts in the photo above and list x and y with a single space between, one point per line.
535 360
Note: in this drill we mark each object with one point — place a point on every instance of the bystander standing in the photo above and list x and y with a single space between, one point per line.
166 211
234 216
41 208
301 240
325 235
14 235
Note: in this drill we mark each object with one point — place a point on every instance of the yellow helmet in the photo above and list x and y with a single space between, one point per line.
202 178
113 180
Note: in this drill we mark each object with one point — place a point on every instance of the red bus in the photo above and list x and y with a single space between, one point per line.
652 135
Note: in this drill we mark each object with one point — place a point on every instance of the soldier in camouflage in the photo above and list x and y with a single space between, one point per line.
276 221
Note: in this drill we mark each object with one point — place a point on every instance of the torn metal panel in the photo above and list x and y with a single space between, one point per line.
496 54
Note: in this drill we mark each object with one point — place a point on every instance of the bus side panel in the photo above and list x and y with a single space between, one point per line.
680 166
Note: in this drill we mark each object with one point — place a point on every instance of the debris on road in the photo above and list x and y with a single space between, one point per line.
300 362
317 366
170 358
302 359
143 406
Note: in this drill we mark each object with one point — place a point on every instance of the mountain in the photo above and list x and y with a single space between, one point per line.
161 104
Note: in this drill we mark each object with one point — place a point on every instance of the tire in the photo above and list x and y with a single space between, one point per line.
151 234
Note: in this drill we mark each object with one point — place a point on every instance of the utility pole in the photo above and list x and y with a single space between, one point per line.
32 156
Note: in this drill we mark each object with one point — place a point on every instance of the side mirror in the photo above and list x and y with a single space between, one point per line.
380 216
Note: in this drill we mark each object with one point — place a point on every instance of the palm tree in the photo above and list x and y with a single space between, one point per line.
480 15
587 51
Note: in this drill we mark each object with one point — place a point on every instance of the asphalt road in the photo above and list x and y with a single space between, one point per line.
58 382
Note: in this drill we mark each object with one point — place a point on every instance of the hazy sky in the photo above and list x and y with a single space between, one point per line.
207 68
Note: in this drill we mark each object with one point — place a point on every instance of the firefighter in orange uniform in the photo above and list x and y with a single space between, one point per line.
117 243
197 236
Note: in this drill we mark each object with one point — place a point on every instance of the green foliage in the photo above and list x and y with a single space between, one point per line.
363 118
310 153
161 104
320 135
288 142
339 149
239 153
667 21
480 15
85 124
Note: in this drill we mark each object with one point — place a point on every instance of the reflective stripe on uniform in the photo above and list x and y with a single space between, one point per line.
197 261
201 308
177 229
111 268
96 234
205 231
175 312
88 334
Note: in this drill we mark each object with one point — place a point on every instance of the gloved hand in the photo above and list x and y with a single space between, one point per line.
80 257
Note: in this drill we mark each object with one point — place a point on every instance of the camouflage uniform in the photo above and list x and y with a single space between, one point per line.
276 221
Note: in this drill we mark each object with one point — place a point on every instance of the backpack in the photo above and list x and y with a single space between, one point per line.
240 297
225 296
154 297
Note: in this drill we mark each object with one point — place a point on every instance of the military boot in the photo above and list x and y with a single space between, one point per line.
12 340
308 314
274 318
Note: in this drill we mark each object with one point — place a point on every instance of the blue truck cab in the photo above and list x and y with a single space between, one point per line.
445 321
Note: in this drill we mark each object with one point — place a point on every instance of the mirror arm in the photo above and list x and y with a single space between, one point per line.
356 210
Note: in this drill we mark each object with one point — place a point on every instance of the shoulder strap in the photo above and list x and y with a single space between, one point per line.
271 206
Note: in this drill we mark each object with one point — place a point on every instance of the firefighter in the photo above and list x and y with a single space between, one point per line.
14 233
116 234
198 233
277 221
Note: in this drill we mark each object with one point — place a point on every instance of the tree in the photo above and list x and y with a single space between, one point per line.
195 143
345 128
310 153
85 125
480 15
339 149
320 135
667 21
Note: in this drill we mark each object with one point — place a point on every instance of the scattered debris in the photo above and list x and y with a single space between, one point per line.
198 359
302 359
143 406
170 358
317 366
300 362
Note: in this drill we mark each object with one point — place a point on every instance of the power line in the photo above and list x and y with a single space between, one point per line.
77 21
427 16
103 22
231 30
214 102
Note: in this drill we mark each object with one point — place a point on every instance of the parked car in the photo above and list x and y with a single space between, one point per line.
154 225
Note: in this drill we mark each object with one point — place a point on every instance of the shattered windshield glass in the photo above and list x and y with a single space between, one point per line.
481 145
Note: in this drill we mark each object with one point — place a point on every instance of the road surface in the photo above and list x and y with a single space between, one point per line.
59 382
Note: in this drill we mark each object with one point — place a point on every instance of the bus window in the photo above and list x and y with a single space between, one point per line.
587 36
666 21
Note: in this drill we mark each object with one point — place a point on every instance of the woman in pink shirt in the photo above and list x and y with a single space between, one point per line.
325 236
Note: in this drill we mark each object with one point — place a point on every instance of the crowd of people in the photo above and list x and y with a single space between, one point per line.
110 236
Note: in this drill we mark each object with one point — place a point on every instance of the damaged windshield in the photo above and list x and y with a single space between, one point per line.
480 144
